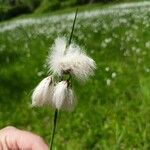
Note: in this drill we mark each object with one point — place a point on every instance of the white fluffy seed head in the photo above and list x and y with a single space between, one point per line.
63 97
56 54
80 64
72 59
42 94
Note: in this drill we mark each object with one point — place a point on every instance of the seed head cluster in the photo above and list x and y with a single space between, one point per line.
63 60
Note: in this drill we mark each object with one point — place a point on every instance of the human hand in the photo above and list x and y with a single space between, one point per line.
15 139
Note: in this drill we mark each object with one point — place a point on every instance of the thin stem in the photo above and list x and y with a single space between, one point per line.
56 110
54 128
73 27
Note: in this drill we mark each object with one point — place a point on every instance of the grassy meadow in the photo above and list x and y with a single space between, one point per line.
113 107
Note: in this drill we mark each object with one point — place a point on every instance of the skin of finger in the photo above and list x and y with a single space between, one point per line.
3 133
17 139
3 145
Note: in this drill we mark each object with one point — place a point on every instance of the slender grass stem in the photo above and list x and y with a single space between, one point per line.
54 128
61 78
71 34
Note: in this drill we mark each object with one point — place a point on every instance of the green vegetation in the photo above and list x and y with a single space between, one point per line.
13 8
113 107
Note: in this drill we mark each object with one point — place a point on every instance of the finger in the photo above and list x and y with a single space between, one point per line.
17 139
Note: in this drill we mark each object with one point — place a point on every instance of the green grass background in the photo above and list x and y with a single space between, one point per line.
107 117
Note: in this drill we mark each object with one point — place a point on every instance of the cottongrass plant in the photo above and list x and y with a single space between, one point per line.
65 60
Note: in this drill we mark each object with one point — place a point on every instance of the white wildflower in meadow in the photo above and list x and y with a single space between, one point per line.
63 97
113 75
103 45
108 40
108 82
42 94
147 70
107 69
70 59
147 44
138 50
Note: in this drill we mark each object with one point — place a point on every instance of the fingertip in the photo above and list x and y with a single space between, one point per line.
35 141
39 144
15 138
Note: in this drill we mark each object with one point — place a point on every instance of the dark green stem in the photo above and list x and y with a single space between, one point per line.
56 110
73 27
54 128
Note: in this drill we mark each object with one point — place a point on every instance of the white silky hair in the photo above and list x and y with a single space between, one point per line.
42 94
79 63
71 59
56 54
63 97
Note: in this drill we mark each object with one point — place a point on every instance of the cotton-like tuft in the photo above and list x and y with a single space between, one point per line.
63 97
79 63
42 94
56 54
71 59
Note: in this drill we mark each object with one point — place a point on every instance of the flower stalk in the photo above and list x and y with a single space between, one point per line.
61 79
73 27
54 128
65 60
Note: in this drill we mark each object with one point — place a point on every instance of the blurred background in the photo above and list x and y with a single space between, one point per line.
12 8
113 107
